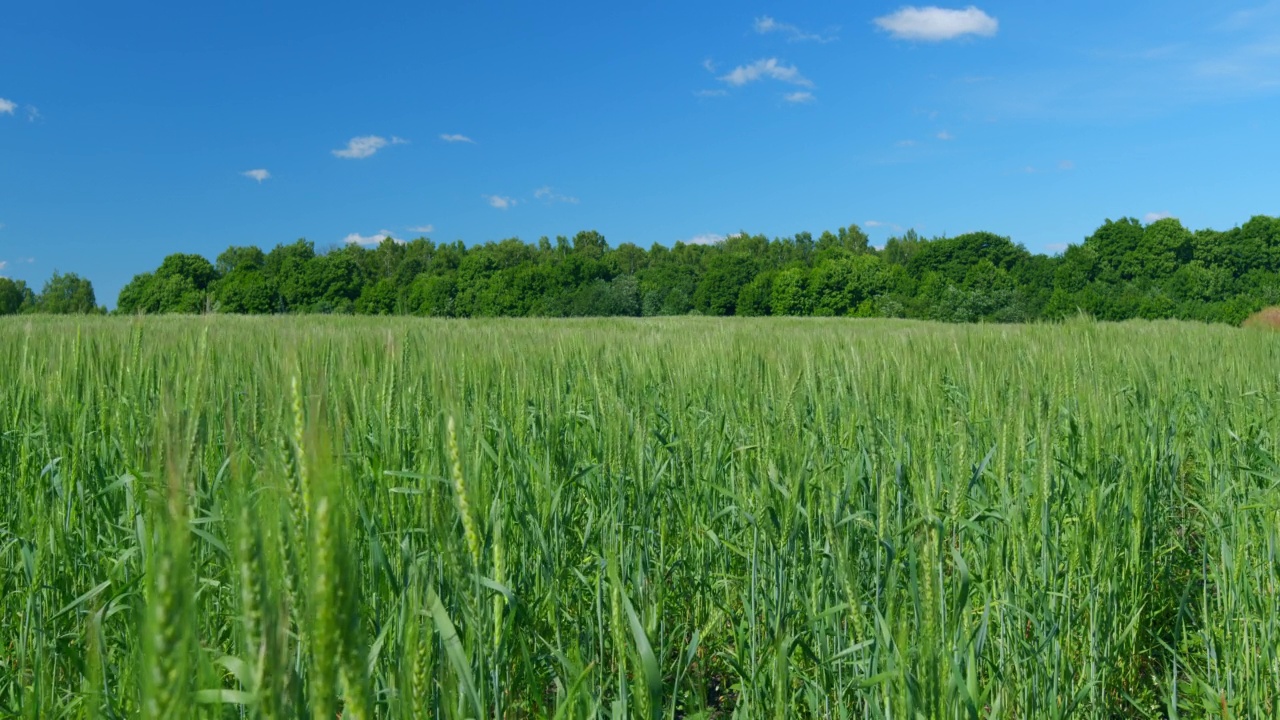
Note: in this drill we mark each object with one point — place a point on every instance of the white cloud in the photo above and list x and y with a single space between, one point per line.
906 143
361 147
1156 216
935 24
765 25
422 228
20 261
944 135
374 239
33 113
1066 165
709 65
766 68
705 239
799 97
258 174
881 224
456 138
7 106
549 196
501 202
711 93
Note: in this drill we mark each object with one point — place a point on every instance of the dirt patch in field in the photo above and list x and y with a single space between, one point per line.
1266 319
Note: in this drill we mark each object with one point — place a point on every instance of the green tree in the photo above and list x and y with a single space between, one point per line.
195 268
179 285
791 292
628 259
1199 283
845 241
1114 245
1165 245
288 268
590 243
756 297
15 297
1078 268
246 290
139 295
378 298
67 294
900 250
434 295
240 258
954 257
726 274
1123 270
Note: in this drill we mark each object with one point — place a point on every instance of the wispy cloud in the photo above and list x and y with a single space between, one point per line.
709 65
258 174
501 202
768 68
374 239
935 24
945 136
1225 57
766 25
719 92
799 97
456 138
364 146
19 261
33 113
1066 165
550 196
1246 65
1250 17
7 106
422 228
705 239
1156 216
906 143
876 224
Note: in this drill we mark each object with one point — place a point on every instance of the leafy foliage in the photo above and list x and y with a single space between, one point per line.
1123 270
15 297
67 294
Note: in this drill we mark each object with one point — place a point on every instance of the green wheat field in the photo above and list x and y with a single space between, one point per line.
681 518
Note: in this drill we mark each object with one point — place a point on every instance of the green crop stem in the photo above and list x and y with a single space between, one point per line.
675 518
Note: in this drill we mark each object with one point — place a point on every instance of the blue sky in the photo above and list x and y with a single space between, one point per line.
132 130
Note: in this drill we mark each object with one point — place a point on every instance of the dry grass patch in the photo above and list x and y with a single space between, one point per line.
1266 319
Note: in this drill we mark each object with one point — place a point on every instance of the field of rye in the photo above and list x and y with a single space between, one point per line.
680 518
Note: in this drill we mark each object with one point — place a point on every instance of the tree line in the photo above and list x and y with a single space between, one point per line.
1124 270
67 294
